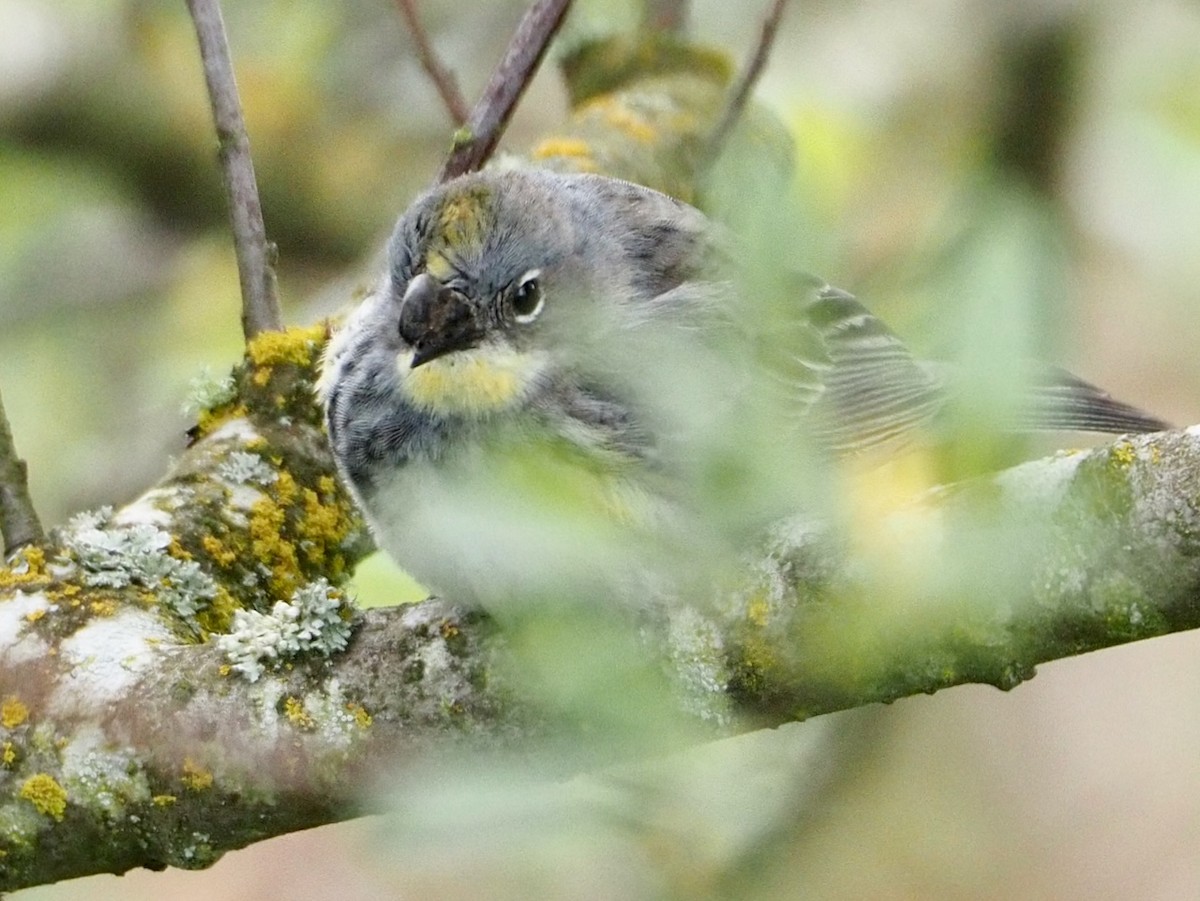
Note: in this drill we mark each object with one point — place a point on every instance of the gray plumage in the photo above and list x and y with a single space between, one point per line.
600 316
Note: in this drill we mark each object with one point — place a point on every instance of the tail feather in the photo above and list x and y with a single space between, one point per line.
1061 401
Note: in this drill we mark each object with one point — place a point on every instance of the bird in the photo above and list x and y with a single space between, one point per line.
559 380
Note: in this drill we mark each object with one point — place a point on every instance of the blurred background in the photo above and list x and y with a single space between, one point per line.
949 153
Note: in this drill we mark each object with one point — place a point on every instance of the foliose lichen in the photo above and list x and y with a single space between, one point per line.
314 621
118 556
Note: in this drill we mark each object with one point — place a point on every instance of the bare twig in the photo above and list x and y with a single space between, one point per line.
19 522
665 15
474 142
442 78
260 303
740 94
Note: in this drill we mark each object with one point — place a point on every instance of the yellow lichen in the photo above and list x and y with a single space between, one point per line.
361 717
34 615
570 147
46 795
296 346
269 546
12 712
195 777
27 567
208 420
1124 454
293 708
224 669
108 607
284 488
8 754
163 800
218 615
324 525
221 555
758 611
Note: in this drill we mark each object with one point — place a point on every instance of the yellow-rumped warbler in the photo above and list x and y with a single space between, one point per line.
555 367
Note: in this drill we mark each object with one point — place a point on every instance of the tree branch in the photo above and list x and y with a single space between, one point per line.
260 303
739 95
172 738
443 79
474 143
19 524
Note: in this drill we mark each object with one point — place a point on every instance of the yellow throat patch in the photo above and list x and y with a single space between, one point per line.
471 382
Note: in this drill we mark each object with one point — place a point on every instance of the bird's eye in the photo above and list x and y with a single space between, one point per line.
527 299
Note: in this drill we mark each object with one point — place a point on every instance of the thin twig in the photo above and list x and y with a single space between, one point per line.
19 521
260 303
443 79
740 94
665 15
475 141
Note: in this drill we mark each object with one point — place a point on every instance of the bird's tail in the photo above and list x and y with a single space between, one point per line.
1061 401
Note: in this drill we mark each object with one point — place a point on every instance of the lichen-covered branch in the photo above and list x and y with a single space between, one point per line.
126 743
260 303
977 583
19 523
474 143
443 79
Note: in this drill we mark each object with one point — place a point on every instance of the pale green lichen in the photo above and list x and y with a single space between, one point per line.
315 620
207 392
99 778
244 468
698 665
118 556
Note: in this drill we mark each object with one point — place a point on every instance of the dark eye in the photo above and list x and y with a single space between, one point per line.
527 299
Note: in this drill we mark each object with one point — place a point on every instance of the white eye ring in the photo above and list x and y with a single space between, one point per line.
528 286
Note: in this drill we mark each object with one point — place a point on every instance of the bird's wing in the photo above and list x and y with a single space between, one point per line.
855 381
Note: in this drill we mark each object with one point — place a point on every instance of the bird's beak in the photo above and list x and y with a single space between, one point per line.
436 320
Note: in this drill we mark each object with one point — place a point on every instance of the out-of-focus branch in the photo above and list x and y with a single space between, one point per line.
665 15
739 94
260 302
19 524
475 142
443 79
